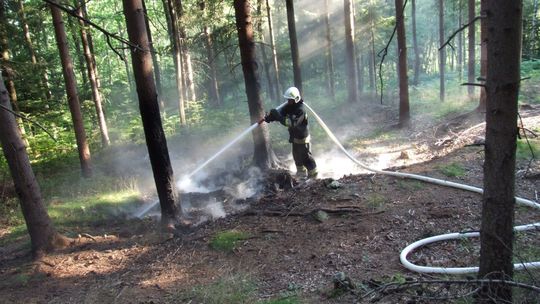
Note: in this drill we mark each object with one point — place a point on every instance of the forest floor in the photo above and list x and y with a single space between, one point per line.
295 241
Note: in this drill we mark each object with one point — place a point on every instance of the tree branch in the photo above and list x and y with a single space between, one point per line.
28 119
459 30
73 13
474 84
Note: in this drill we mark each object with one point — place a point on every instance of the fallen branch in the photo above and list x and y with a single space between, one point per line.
398 287
88 236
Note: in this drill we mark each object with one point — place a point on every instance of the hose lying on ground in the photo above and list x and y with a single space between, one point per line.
449 236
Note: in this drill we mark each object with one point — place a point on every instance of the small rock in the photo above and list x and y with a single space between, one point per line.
334 185
321 216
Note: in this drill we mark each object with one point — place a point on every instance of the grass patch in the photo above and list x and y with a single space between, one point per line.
227 240
228 290
410 184
526 150
93 209
376 201
17 233
453 170
286 299
69 215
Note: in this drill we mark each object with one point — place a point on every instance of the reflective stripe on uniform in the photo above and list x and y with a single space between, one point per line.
302 140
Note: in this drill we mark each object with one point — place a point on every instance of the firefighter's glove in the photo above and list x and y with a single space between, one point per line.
272 116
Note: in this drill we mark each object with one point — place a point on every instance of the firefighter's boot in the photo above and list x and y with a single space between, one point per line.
301 172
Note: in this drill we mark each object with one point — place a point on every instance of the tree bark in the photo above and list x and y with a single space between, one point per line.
265 62
71 91
504 30
214 85
43 235
92 76
533 40
175 41
442 52
157 71
291 23
472 48
415 44
209 43
329 54
483 61
78 52
91 45
7 71
274 52
263 157
121 29
404 112
352 76
149 109
460 44
186 56
372 70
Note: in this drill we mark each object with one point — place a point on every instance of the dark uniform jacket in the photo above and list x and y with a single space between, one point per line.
295 118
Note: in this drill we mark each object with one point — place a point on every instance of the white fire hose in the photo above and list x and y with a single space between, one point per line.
405 252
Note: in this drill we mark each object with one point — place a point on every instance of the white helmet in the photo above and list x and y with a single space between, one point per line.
292 93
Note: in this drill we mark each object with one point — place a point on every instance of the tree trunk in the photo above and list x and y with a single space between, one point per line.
7 71
460 44
352 76
71 91
78 53
483 61
209 43
91 46
96 95
149 108
274 52
533 40
214 85
43 236
184 51
121 29
404 113
291 23
157 72
472 48
175 41
329 54
32 52
262 47
415 44
372 70
263 157
360 73
442 52
503 25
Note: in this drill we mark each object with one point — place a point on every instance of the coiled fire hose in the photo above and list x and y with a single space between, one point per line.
449 236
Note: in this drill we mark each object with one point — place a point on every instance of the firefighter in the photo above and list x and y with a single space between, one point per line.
294 116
